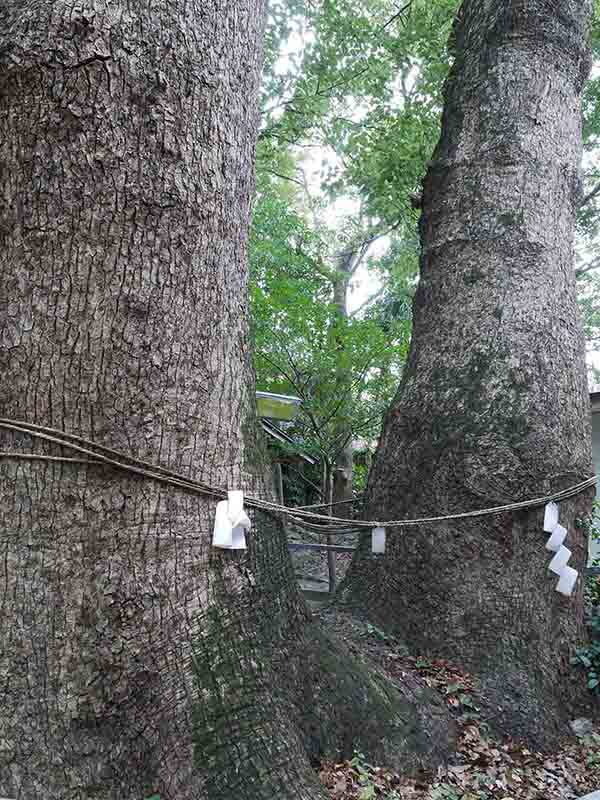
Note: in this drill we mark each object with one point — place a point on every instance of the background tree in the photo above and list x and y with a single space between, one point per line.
134 658
493 403
317 100
351 110
343 366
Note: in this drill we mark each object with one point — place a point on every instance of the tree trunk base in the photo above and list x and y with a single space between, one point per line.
314 699
238 698
493 612
345 703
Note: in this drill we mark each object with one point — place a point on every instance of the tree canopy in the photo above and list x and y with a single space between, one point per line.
352 100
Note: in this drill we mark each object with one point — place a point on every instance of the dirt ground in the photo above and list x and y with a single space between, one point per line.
483 767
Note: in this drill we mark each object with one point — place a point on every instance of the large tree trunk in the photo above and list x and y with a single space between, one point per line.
493 405
344 455
134 658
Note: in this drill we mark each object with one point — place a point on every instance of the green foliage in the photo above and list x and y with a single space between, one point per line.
588 657
464 700
591 524
588 286
367 778
422 663
591 91
588 215
376 633
359 478
344 369
592 742
356 90
368 88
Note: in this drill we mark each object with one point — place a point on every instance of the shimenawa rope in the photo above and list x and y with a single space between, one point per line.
97 454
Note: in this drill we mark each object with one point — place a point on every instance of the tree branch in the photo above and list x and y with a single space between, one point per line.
368 302
588 268
590 196
397 15
285 177
279 368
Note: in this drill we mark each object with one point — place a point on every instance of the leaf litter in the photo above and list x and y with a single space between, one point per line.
483 767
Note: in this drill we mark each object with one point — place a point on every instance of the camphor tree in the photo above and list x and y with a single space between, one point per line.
493 403
134 658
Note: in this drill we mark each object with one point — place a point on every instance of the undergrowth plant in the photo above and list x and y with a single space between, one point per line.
370 787
592 742
588 657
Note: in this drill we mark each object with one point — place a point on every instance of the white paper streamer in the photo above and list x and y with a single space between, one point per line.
222 534
567 576
235 505
566 582
559 534
560 560
231 523
550 517
378 540
238 534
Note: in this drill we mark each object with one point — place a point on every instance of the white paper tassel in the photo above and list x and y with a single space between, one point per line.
566 582
558 536
378 540
550 517
223 531
231 523
235 505
239 520
238 535
560 560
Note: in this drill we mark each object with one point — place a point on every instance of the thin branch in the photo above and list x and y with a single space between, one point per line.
360 257
367 302
279 368
588 268
285 177
317 429
304 478
339 448
396 16
590 196
369 240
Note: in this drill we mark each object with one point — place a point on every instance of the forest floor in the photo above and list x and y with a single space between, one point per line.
483 767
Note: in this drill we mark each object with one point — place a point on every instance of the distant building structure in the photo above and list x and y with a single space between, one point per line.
276 412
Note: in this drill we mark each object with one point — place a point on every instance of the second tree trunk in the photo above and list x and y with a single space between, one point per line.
493 405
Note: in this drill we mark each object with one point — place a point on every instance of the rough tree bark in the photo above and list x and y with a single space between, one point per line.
344 458
493 405
134 658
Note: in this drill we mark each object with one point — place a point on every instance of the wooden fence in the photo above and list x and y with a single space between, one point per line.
341 548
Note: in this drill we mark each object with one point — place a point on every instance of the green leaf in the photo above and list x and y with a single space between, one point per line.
466 701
